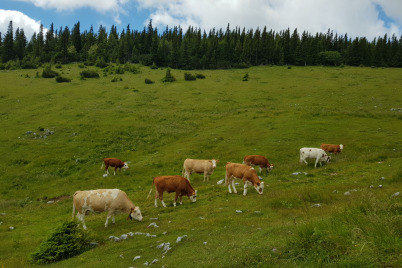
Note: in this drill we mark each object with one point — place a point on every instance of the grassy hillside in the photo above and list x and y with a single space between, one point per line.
300 220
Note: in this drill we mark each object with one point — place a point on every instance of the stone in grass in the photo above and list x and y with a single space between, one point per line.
180 238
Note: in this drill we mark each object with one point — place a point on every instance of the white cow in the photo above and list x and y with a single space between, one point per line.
318 154
205 167
111 200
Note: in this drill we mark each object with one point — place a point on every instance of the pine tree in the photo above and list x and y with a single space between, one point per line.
8 44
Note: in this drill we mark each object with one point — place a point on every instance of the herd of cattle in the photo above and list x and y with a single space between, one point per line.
116 201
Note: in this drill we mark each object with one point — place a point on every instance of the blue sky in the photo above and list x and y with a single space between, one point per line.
362 18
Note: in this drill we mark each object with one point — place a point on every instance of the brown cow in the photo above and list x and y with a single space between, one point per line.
178 184
258 160
110 200
205 167
332 148
245 173
113 162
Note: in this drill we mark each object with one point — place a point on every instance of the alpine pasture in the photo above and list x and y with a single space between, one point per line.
54 137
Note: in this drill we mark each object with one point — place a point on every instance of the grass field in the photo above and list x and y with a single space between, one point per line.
303 220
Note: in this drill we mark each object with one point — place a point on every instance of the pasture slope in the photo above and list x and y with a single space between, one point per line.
331 216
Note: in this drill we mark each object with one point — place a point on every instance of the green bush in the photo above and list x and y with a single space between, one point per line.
48 72
168 77
245 77
61 79
189 77
100 62
148 81
154 66
66 241
200 76
89 74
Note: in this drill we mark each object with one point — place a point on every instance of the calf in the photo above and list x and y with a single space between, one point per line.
113 162
318 154
245 173
178 184
332 148
111 200
258 160
205 167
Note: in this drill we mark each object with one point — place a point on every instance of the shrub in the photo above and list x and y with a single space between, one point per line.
245 77
115 79
154 66
189 77
66 241
148 81
168 77
48 72
101 63
89 74
200 76
61 79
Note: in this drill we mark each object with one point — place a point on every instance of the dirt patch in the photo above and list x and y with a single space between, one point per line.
58 198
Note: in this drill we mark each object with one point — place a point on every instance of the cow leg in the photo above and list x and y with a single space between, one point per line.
108 217
233 186
175 199
316 161
161 198
81 217
245 187
115 171
181 203
260 168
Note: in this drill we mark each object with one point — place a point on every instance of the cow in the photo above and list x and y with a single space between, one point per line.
318 154
258 160
178 184
205 167
113 162
332 148
245 173
111 200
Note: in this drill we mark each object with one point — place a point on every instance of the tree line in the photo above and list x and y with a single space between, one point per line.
195 48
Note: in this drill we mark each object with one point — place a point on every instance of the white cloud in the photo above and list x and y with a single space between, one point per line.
19 20
356 18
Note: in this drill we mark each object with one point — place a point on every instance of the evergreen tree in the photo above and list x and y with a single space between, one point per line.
8 44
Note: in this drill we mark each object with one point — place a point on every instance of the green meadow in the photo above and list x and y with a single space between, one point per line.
54 136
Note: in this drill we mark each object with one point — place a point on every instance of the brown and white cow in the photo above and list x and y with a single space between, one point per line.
318 154
111 200
332 148
258 160
245 173
205 167
113 162
178 184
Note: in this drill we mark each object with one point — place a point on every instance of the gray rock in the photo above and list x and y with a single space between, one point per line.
346 193
395 194
239 211
136 258
316 205
180 238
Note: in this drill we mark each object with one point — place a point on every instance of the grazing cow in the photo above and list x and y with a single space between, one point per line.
205 167
245 173
113 162
318 154
111 200
332 148
178 184
258 160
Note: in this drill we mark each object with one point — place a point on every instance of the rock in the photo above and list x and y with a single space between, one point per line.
316 205
346 193
180 238
28 132
105 175
50 202
257 212
382 178
123 237
153 224
11 228
136 258
380 186
371 186
93 244
395 194
220 181
239 211
205 243
149 235
154 261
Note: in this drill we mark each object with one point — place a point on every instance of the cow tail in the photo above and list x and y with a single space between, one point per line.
101 166
150 191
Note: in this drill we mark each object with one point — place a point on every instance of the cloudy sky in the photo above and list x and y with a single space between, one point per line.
357 18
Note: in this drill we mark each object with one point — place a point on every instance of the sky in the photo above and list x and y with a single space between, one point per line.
356 18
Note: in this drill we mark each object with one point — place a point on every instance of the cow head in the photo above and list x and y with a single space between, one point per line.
193 196
259 187
125 165
135 214
341 147
213 161
270 167
325 158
